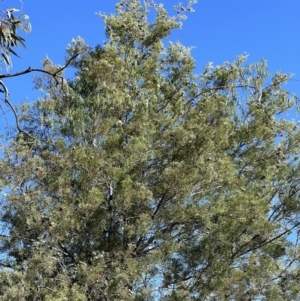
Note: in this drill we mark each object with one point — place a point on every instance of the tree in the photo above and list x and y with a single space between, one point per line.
144 181
10 23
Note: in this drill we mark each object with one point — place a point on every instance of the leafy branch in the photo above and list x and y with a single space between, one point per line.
5 91
9 24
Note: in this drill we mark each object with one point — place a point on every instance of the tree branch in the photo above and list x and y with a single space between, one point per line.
67 252
266 241
7 102
28 70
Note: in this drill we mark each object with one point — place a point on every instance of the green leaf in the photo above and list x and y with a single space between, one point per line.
13 52
19 39
6 58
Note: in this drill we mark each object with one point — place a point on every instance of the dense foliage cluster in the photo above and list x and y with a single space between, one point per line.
141 180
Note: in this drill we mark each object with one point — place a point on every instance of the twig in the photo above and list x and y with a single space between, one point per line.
266 241
67 252
28 70
7 102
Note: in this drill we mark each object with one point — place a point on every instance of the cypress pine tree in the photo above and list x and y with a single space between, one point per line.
145 181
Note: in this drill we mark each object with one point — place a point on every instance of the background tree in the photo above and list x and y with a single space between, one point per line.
144 181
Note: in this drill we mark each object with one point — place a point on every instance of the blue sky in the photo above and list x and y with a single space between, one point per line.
219 30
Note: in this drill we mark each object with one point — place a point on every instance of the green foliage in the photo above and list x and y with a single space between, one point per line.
146 181
9 37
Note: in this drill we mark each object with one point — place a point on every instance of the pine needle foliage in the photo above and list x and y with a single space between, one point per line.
146 181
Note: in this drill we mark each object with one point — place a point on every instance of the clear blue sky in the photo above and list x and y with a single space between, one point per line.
219 30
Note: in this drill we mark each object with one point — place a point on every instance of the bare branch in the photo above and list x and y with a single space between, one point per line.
29 69
7 102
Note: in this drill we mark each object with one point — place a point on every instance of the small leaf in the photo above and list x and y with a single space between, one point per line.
23 44
1 35
16 21
6 58
17 38
12 10
14 53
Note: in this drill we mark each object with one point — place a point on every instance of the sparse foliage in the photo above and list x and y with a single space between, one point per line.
10 21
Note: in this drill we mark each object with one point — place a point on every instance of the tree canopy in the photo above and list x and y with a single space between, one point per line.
142 180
